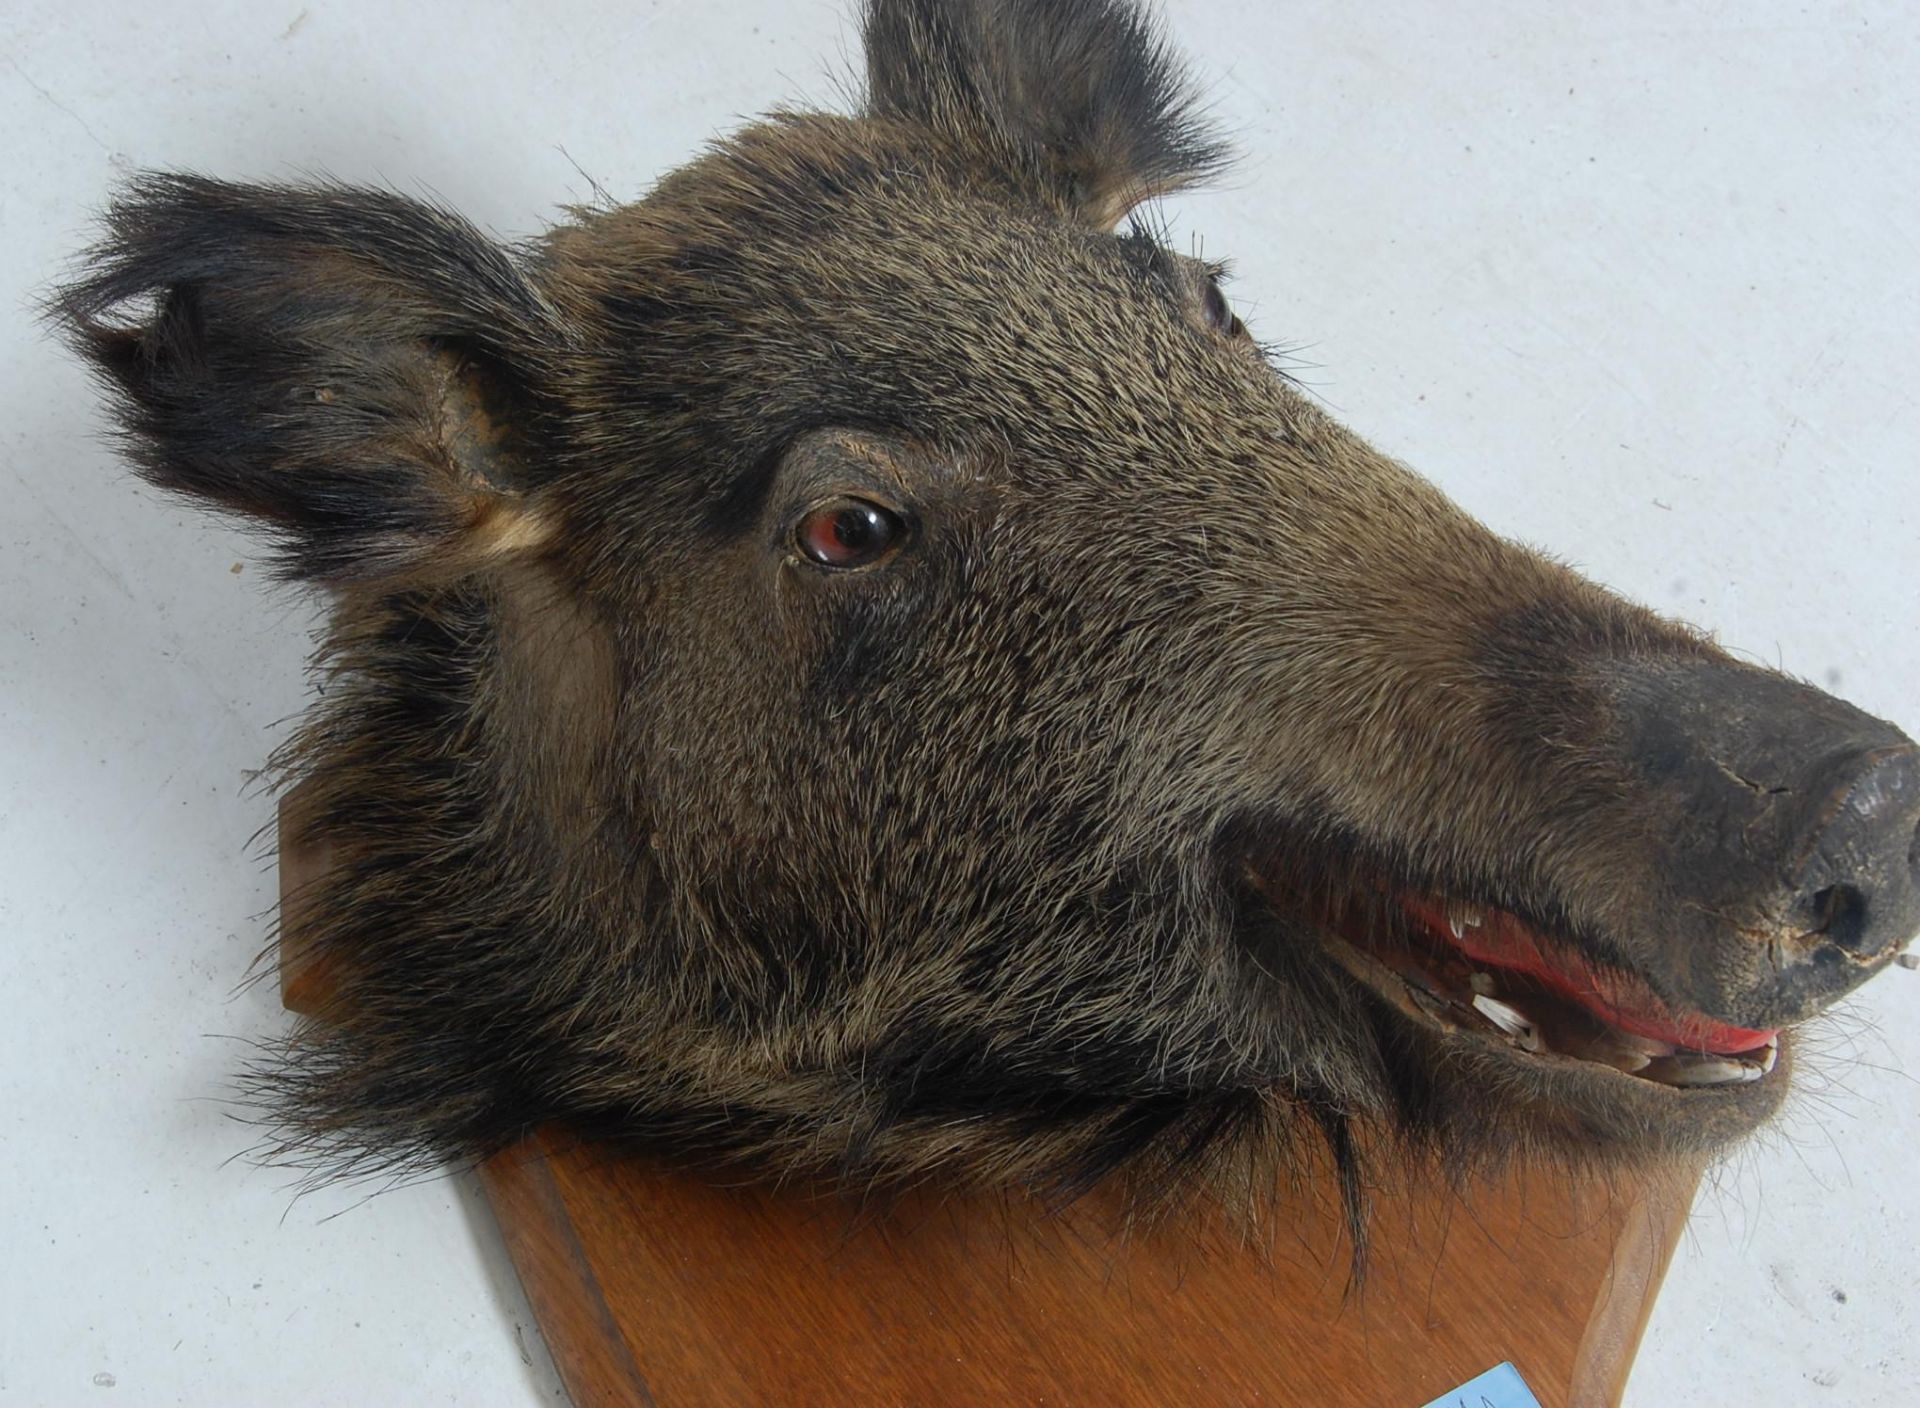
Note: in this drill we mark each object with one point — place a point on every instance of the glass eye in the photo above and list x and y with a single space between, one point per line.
850 533
1220 315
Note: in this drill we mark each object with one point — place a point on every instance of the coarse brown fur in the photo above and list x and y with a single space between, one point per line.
997 857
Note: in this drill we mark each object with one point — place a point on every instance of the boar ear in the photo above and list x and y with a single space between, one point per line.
1085 92
360 374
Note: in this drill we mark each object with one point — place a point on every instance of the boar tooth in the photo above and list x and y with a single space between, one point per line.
1482 983
1769 1057
1617 1057
1705 1070
1462 917
1718 1072
1509 1020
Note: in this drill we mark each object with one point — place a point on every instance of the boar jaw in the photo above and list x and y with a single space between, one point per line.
1474 973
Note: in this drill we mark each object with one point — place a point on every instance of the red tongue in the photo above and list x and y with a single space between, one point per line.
1502 941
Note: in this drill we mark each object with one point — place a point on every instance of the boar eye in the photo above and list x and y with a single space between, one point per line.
1220 315
850 533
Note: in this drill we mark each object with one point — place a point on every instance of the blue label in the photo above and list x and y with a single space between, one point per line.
1500 1387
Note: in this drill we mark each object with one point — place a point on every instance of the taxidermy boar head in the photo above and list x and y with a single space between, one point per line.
852 664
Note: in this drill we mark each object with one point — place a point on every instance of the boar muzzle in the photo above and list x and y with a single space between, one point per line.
1786 824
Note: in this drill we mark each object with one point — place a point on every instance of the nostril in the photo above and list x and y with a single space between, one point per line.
1864 847
1842 910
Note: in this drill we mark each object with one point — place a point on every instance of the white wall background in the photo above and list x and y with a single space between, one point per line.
1636 281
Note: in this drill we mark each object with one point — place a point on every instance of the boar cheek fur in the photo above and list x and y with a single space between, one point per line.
639 824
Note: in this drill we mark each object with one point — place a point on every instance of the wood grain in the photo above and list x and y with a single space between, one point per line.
654 1287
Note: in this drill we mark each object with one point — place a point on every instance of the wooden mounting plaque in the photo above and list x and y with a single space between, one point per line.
654 1287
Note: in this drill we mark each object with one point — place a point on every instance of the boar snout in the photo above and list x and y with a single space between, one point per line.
1786 826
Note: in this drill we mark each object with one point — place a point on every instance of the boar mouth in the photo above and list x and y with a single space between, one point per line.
1473 970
